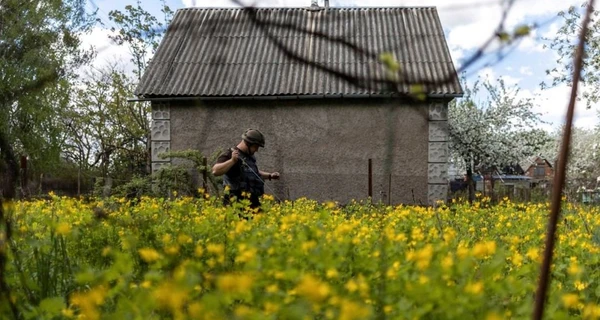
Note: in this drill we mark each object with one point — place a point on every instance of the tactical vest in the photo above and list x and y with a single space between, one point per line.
248 179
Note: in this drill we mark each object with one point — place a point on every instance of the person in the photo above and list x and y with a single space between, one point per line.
240 172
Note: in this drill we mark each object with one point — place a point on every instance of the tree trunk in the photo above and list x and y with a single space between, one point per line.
470 185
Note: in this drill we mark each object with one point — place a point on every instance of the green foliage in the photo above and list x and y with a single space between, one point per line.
140 31
105 132
40 52
174 180
137 187
390 62
196 158
522 30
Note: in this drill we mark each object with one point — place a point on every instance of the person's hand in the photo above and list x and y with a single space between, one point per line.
235 155
274 175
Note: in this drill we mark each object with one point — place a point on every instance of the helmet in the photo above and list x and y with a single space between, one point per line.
253 136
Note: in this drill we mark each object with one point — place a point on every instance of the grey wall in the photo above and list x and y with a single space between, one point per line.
321 147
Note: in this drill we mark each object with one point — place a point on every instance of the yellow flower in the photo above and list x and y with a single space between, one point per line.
313 289
484 249
332 273
242 311
195 310
447 262
246 255
517 259
198 251
462 251
89 301
172 250
169 296
63 229
184 239
268 197
235 283
67 313
591 311
351 285
493 316
215 248
422 257
474 288
574 269
149 255
270 307
570 300
106 251
580 285
533 254
272 288
351 310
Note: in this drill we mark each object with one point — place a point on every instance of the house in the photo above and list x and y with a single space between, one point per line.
540 170
220 71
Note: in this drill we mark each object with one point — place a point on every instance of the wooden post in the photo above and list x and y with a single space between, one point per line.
390 190
204 174
370 193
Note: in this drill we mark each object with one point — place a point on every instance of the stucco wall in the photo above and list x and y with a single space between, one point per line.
322 147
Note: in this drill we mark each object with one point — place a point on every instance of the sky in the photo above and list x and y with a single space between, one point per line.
467 24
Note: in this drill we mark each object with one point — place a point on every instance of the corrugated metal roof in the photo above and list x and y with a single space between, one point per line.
219 52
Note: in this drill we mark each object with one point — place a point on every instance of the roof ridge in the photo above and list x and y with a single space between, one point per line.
309 8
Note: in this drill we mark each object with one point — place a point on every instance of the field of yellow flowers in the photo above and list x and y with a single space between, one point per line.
190 258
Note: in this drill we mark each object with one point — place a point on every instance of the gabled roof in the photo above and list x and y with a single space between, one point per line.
217 52
526 164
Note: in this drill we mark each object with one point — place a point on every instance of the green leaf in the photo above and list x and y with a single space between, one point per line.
503 36
522 31
85 277
388 60
52 306
417 91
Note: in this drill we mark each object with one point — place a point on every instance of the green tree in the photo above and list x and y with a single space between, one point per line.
140 31
495 132
40 52
107 134
565 42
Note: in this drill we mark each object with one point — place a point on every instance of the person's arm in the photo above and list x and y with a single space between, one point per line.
221 167
269 176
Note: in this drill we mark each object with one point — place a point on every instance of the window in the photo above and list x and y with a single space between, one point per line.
539 171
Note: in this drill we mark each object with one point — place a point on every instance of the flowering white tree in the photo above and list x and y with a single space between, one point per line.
496 131
565 42
583 168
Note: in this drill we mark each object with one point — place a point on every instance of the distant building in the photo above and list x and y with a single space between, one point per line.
540 171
